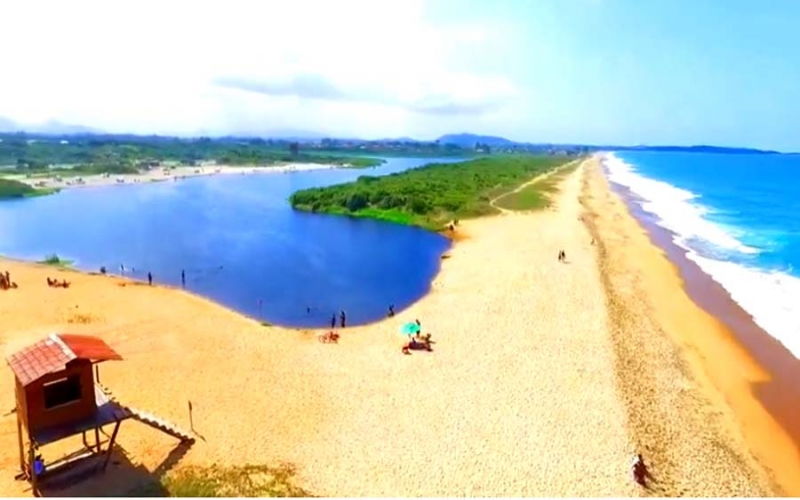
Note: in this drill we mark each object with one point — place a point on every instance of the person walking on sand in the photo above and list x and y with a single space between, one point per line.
149 278
639 470
342 318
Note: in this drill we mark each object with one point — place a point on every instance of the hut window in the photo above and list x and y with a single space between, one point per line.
62 391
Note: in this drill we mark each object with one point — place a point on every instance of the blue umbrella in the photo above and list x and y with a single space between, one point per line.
410 328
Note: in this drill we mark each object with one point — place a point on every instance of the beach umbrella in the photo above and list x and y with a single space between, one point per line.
410 328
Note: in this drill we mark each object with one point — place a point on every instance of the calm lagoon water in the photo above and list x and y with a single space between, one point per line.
239 242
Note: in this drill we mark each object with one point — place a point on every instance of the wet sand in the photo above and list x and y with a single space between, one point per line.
545 378
697 352
778 392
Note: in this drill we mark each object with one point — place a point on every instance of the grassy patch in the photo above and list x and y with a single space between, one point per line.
250 481
55 260
10 189
536 195
429 196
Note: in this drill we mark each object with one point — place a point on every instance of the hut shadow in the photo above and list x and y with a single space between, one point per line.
122 478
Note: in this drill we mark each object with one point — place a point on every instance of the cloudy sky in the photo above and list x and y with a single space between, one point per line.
597 71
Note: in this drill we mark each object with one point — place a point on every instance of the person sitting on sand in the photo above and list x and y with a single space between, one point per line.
49 282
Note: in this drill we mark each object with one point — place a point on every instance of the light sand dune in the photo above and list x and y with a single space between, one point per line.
162 174
521 395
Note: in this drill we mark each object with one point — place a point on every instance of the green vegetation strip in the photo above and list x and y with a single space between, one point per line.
10 189
55 260
250 481
429 196
86 155
536 195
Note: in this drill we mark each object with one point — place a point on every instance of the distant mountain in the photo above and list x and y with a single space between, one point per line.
465 140
7 125
52 127
398 139
698 149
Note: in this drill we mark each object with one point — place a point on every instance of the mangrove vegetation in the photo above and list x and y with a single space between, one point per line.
429 196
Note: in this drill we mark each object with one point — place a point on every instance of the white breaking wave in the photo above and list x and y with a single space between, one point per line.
769 296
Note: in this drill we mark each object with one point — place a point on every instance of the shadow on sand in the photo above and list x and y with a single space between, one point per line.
122 478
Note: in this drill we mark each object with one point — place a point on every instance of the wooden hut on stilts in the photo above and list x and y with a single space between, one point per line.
58 396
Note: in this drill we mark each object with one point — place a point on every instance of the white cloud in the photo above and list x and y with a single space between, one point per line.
368 66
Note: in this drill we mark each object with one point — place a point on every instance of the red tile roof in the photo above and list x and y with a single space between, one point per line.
86 347
53 353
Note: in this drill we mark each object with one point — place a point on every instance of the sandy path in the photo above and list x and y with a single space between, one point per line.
519 397
538 178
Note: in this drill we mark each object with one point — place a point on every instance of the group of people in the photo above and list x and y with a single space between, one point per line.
54 283
149 274
418 341
342 319
5 281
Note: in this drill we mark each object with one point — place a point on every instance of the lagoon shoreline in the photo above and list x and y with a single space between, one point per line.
160 174
575 373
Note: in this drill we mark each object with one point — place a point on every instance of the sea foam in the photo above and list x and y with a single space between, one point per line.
769 296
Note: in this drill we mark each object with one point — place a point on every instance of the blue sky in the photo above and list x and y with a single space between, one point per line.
591 71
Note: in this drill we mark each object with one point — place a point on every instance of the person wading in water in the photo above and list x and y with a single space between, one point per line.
149 278
342 319
333 321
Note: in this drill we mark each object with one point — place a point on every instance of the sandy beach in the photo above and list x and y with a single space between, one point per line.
160 174
545 378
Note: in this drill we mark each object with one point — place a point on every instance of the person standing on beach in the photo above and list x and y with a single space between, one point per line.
149 278
342 318
122 268
333 321
183 278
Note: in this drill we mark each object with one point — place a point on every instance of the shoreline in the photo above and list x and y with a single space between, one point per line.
717 362
161 174
776 389
469 419
502 412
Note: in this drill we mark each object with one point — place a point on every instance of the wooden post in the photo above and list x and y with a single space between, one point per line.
111 445
21 444
191 418
32 471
